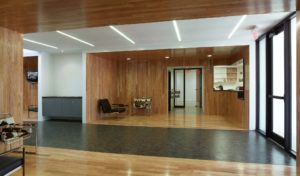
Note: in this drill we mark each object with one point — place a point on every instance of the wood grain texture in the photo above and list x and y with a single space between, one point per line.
62 162
29 16
30 90
145 75
298 84
11 73
226 103
190 117
101 82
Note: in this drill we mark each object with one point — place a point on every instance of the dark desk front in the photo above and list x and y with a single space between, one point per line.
69 108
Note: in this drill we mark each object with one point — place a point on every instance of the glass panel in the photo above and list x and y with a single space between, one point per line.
191 88
179 87
294 85
262 85
278 117
278 64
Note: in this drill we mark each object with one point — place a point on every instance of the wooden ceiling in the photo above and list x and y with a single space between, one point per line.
29 16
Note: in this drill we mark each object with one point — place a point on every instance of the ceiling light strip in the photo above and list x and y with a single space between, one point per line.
237 26
75 38
177 30
122 34
39 43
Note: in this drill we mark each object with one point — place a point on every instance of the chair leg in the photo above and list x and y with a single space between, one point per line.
23 168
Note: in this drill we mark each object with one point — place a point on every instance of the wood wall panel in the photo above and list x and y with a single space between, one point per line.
30 90
146 75
226 103
29 16
11 73
298 84
101 82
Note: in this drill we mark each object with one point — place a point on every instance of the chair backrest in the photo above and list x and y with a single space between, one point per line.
105 105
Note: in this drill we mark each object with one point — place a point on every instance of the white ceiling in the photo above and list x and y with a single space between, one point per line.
205 32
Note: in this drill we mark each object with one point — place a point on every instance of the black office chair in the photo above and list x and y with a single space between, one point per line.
104 105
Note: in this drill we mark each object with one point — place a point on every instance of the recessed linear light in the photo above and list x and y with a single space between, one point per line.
39 43
122 34
237 26
75 38
177 30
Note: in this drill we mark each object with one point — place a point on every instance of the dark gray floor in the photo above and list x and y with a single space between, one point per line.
238 146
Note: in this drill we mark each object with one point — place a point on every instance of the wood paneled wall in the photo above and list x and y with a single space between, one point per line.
11 73
145 75
298 84
101 82
30 90
226 103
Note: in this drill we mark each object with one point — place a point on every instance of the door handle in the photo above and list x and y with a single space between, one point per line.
277 97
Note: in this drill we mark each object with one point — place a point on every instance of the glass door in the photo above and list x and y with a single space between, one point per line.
276 85
276 94
179 88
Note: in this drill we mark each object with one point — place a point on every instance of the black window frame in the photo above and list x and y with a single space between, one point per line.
284 25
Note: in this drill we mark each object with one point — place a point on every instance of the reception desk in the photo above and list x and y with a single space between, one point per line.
68 108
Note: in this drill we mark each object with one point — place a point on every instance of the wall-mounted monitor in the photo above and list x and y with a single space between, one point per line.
229 77
32 76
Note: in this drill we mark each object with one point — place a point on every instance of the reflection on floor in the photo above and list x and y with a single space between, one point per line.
189 117
204 144
62 162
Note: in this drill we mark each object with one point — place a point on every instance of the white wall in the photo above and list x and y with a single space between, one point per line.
44 83
59 75
27 53
83 87
67 74
252 86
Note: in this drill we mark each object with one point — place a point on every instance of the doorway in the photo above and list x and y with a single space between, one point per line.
278 91
276 85
185 89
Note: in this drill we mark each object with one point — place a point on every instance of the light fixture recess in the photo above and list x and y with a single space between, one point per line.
75 38
237 26
40 43
122 34
177 30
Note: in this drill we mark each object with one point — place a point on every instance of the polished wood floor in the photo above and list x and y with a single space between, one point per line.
62 162
179 118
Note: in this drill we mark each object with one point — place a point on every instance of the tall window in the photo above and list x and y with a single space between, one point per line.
294 84
262 85
276 84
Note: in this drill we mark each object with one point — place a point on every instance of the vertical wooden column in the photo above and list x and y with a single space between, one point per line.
298 83
11 73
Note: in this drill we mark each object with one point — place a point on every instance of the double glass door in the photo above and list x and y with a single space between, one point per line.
276 85
187 87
